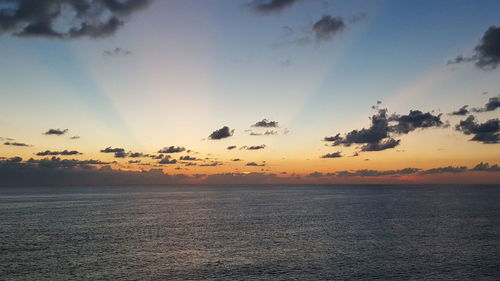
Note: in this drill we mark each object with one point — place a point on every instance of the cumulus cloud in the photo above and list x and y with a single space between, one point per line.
189 158
414 120
57 132
211 164
15 143
172 149
167 160
461 111
487 132
487 53
271 6
264 123
64 153
486 167
327 27
492 104
118 152
332 155
221 133
66 19
379 136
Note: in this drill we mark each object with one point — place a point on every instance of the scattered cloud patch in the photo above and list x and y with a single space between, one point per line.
487 132
66 19
231 147
271 6
64 153
253 164
15 144
117 52
172 149
327 27
221 133
56 132
265 123
332 155
461 111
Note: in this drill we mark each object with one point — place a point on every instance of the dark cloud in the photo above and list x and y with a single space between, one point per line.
376 173
64 153
254 147
487 132
332 155
66 19
167 160
189 158
380 145
119 152
449 169
492 104
414 120
15 143
271 6
255 164
462 111
485 167
172 149
134 161
57 132
75 137
379 137
236 159
117 52
266 124
231 147
57 172
327 27
136 154
315 175
487 53
222 133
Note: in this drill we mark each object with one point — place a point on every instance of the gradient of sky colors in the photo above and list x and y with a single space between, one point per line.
178 70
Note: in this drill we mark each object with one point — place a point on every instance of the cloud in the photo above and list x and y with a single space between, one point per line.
236 159
376 173
485 167
332 155
172 149
379 136
74 138
487 53
381 145
57 132
487 132
255 164
254 147
221 133
327 27
460 112
70 172
266 133
449 169
66 19
64 152
231 147
315 175
492 104
212 164
414 120
189 158
119 152
167 160
271 6
117 52
264 123
15 143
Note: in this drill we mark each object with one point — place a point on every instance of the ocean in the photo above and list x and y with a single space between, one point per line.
358 232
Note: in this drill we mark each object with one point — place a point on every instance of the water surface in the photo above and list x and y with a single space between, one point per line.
250 233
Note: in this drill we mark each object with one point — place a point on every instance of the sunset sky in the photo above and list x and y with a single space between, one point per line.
310 91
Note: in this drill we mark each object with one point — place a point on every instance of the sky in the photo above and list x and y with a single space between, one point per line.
249 92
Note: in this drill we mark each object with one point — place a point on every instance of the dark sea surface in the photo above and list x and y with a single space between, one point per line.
250 233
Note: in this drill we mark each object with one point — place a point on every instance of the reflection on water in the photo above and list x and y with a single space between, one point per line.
251 233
